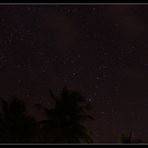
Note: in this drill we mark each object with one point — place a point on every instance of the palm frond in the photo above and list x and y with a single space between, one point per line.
53 96
66 118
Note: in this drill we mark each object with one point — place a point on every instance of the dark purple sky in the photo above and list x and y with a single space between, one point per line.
99 50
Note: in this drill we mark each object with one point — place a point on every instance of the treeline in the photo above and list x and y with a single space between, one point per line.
64 123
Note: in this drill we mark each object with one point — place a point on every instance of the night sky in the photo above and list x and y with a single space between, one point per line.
99 50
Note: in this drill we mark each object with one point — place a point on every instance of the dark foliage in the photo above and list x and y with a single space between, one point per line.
15 125
63 123
128 138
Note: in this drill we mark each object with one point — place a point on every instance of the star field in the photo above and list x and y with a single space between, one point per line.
99 50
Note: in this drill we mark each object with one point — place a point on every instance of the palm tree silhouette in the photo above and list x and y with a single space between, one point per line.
15 124
125 138
64 123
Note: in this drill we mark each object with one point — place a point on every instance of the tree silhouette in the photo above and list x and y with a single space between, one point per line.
65 121
125 138
15 124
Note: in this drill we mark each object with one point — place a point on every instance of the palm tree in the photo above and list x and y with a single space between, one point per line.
126 138
64 121
129 139
15 124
